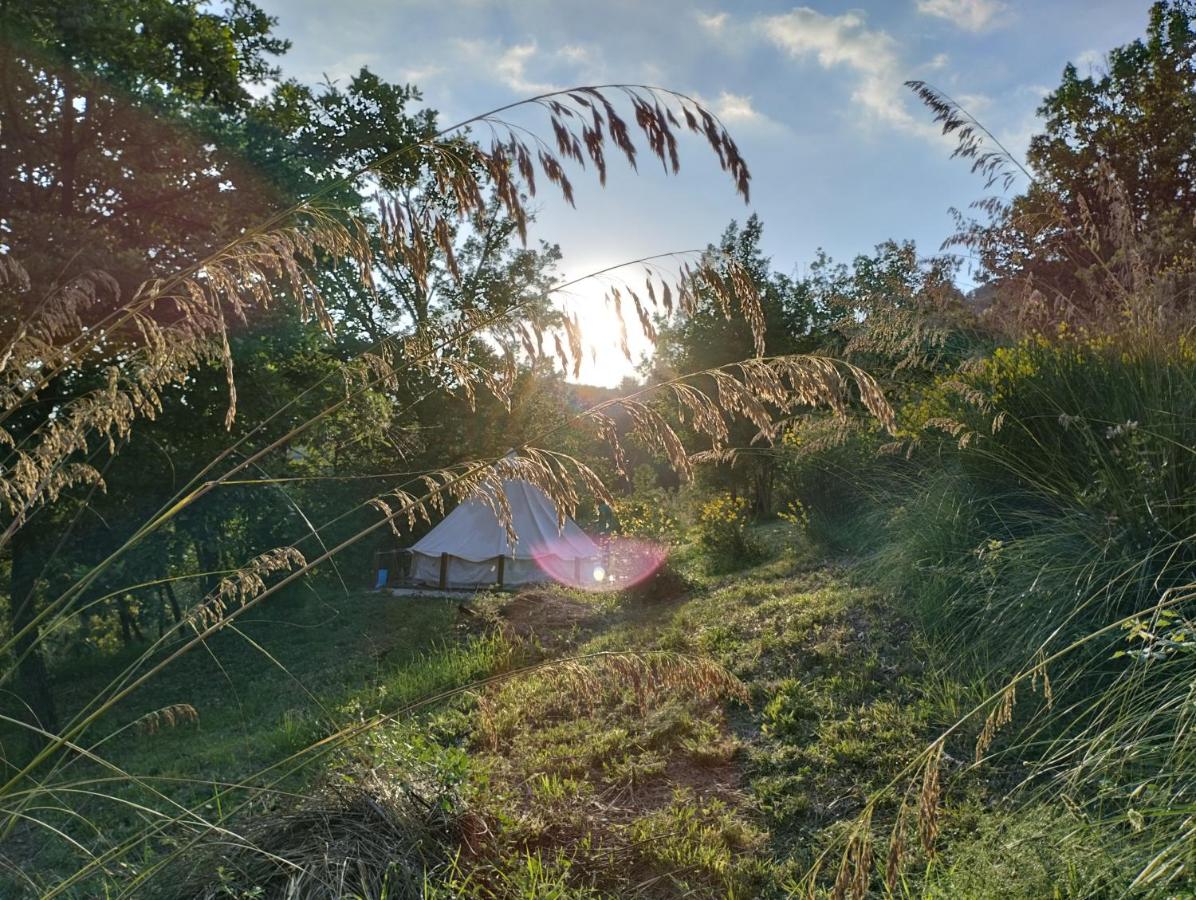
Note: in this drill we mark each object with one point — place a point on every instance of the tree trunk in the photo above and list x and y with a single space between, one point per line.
68 150
207 551
129 629
160 594
174 601
33 679
765 477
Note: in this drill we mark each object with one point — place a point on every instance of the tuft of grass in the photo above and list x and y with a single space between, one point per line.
1039 850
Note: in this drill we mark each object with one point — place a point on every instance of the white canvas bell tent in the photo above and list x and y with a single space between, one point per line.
469 548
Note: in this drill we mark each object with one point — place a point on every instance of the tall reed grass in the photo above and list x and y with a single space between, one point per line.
1043 531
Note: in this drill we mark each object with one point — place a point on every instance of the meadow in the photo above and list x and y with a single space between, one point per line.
919 621
539 779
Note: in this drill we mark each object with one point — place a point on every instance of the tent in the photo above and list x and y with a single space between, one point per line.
469 548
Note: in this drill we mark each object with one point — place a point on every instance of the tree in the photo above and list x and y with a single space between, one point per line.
1113 189
708 336
88 182
132 148
896 312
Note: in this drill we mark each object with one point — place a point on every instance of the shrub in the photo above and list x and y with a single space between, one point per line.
645 516
724 536
827 474
795 513
648 511
664 584
1071 462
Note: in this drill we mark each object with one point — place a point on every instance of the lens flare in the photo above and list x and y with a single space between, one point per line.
623 563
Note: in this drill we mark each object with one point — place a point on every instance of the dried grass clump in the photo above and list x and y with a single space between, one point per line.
573 687
544 615
167 717
766 391
855 866
375 835
998 717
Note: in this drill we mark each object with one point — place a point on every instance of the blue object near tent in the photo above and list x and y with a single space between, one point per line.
383 576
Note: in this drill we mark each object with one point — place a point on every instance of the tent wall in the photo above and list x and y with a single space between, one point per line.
465 573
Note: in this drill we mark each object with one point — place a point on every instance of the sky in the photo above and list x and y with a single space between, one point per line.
842 155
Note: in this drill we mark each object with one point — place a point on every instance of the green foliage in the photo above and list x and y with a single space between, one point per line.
1081 492
334 663
828 471
707 337
647 511
723 534
174 49
1135 119
1039 531
897 312
702 841
1036 532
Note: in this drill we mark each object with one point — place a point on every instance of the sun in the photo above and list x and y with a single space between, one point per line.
603 360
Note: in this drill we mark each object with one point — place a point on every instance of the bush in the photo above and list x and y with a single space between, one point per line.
1067 490
665 584
646 517
827 474
648 511
723 534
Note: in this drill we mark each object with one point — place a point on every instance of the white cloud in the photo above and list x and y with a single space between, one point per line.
845 41
511 68
713 22
1090 60
736 108
348 66
421 75
574 53
527 70
970 15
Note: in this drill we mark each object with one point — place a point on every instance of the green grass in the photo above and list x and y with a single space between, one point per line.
292 672
603 784
686 798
